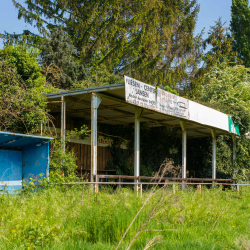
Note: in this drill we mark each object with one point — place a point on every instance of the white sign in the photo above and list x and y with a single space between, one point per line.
171 104
140 94
147 96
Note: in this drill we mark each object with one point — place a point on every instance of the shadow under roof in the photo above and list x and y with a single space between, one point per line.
115 110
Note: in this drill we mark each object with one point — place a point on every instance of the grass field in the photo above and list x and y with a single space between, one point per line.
69 218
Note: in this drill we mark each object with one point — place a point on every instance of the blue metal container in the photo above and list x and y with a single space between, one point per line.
22 157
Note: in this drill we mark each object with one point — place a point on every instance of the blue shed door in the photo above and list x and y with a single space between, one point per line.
10 170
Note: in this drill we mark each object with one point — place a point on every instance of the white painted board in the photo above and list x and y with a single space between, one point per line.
208 116
139 93
170 104
147 96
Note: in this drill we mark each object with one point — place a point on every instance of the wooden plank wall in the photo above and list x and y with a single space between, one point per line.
83 153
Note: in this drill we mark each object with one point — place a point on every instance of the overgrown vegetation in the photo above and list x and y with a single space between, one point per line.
93 43
227 90
22 108
74 218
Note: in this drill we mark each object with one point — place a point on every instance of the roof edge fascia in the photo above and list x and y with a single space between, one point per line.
85 91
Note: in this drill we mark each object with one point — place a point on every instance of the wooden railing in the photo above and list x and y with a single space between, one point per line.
120 178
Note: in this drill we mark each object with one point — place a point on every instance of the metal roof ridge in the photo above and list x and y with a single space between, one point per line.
81 91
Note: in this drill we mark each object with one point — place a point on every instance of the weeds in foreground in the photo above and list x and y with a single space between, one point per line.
70 217
162 202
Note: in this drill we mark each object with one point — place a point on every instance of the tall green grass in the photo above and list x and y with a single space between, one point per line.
69 218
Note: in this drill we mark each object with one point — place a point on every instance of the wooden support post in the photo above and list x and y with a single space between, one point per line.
166 182
120 179
174 188
199 188
97 185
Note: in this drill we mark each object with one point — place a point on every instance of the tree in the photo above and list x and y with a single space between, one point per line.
60 60
240 28
227 89
151 40
220 43
22 109
24 61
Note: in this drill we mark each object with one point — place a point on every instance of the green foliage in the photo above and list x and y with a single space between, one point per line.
24 60
63 161
26 37
240 28
227 89
152 41
22 108
80 133
169 89
220 44
75 218
22 83
60 60
156 144
99 76
121 159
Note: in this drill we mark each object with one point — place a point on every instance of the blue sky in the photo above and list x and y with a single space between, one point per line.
210 11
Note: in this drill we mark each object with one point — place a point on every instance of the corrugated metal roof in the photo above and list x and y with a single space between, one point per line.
12 140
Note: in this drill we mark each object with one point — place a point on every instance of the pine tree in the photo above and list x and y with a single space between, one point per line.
222 45
60 62
240 28
151 40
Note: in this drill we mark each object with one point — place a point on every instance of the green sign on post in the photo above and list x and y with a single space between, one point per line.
232 127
